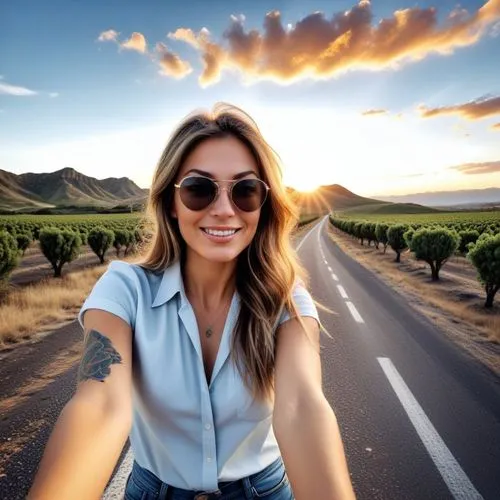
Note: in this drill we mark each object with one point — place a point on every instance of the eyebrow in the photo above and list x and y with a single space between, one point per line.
208 174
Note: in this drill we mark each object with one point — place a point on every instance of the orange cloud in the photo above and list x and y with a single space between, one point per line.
474 110
489 167
171 64
213 56
496 126
137 42
317 47
372 112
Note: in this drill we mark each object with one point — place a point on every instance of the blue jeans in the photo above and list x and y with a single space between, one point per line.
270 483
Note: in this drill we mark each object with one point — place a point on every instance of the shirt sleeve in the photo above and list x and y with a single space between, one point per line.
304 303
115 291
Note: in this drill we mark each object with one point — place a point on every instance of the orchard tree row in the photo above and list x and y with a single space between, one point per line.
83 224
61 246
434 244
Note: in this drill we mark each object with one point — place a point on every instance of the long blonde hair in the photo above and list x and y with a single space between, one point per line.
266 270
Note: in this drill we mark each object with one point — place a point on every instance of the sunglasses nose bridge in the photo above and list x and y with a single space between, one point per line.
228 188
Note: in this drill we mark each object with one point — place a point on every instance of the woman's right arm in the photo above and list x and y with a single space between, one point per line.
90 433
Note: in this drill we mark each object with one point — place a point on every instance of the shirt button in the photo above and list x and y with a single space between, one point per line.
209 459
208 427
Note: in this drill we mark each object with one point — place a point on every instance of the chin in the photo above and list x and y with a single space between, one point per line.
220 257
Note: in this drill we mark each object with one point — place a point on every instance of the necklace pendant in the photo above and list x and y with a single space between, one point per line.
208 332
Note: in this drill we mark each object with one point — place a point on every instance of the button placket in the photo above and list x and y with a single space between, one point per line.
208 440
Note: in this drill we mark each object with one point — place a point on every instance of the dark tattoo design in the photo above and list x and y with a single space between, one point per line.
99 354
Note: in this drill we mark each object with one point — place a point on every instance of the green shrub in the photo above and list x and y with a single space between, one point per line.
434 246
396 239
485 255
100 240
9 256
59 247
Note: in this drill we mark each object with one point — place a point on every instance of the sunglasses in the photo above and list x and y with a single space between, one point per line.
198 192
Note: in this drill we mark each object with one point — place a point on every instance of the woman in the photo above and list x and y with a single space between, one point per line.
226 385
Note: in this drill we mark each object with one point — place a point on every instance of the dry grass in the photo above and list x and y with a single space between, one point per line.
26 311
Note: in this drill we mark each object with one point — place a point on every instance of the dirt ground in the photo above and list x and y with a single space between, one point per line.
455 303
34 266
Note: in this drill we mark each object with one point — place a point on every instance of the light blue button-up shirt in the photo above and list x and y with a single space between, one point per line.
190 434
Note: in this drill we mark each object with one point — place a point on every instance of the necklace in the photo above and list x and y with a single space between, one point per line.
209 331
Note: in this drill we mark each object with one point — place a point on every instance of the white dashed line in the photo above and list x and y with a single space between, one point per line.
330 269
343 293
354 312
334 276
455 478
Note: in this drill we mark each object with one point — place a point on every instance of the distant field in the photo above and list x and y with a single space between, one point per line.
444 218
69 218
88 219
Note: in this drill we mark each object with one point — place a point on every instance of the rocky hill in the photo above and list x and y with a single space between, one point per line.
65 187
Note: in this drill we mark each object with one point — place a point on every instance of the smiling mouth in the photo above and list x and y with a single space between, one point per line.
220 234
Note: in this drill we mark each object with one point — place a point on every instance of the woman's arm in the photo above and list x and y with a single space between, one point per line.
304 424
93 427
81 453
312 450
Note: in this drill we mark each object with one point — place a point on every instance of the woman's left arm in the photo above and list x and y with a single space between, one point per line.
304 424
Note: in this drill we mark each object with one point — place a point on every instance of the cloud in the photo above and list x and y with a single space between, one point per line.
496 126
372 112
5 88
108 36
53 94
171 64
489 167
213 56
473 110
495 30
319 47
137 42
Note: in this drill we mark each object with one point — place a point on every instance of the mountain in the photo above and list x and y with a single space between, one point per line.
465 198
65 187
337 198
69 188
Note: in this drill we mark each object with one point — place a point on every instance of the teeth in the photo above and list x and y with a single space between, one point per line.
220 233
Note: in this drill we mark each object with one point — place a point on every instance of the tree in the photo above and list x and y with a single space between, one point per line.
100 240
9 256
59 246
435 246
121 239
131 241
381 234
396 240
466 237
23 241
485 255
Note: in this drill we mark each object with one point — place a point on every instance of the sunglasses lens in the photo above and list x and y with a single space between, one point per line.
249 194
197 192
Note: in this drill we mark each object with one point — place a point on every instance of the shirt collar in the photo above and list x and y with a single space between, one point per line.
171 283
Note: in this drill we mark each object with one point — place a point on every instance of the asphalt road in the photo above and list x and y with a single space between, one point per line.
419 419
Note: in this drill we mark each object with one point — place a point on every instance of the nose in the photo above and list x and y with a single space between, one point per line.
223 205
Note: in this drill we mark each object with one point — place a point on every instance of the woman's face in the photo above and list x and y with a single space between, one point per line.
220 158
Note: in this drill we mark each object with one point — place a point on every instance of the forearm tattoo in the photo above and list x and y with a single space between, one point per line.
98 356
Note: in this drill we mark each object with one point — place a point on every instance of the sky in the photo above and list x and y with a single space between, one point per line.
382 97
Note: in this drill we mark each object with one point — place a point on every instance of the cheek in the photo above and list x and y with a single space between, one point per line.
253 221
